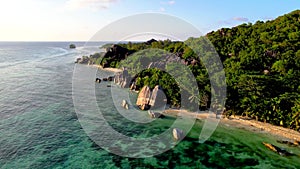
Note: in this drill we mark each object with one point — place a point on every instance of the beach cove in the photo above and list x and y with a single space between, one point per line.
39 127
236 128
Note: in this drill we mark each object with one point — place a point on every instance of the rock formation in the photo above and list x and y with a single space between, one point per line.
113 53
133 86
149 42
295 143
72 46
276 149
144 98
158 98
153 114
117 79
123 79
177 134
155 99
83 60
125 104
169 58
110 78
98 80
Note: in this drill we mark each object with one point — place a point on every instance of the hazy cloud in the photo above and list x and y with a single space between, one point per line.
90 4
161 9
267 18
241 19
168 2
171 2
233 21
227 22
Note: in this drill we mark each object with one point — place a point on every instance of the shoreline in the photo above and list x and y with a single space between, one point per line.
234 121
244 123
114 70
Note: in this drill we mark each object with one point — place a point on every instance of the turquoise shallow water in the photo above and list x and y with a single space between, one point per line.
39 127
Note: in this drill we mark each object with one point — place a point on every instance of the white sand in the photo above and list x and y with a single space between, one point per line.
115 70
245 123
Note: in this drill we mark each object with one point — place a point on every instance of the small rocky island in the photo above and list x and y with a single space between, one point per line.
72 46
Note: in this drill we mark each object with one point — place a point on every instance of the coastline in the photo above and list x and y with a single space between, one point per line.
114 70
245 123
234 121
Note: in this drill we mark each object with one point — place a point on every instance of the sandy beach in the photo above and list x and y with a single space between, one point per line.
115 70
236 121
245 123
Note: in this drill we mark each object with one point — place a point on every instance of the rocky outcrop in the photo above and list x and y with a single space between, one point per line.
83 60
149 42
153 114
72 46
276 149
125 104
105 79
169 58
144 98
114 53
110 78
295 143
117 78
154 99
158 98
98 80
151 99
123 79
178 134
133 86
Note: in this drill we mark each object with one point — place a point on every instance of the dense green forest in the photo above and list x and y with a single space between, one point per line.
261 62
262 65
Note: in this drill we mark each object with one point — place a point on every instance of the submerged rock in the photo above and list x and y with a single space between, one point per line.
125 104
295 143
177 134
83 60
98 80
276 149
153 114
110 78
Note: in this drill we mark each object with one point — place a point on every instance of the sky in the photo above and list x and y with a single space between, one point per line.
79 20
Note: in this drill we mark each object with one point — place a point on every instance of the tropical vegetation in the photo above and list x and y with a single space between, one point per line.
261 62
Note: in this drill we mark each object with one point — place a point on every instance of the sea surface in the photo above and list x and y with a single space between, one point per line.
39 126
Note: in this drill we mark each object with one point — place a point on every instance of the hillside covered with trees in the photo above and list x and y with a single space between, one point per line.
261 62
262 65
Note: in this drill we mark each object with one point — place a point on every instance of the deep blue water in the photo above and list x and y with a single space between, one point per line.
39 127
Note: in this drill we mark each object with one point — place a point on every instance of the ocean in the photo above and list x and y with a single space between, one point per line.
40 127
